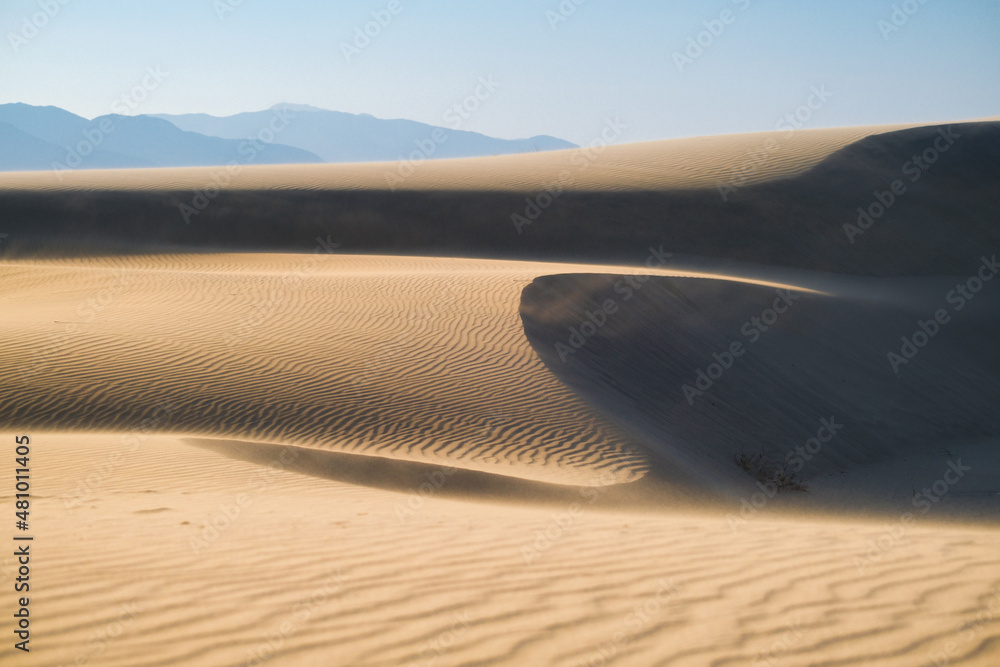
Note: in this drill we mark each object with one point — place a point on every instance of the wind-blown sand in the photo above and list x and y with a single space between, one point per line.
322 458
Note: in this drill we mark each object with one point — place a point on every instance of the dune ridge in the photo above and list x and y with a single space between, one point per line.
837 213
626 166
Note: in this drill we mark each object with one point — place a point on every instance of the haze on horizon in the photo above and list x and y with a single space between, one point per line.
559 67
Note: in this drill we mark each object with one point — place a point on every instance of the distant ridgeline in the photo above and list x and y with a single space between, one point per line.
50 138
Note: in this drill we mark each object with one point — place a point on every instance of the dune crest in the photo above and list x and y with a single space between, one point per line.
625 166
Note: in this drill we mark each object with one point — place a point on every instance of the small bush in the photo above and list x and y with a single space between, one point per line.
766 469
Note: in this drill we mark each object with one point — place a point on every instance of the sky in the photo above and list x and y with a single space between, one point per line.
660 68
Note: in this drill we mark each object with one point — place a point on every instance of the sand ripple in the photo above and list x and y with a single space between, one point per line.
420 360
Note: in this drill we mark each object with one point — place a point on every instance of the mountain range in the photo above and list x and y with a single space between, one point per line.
34 138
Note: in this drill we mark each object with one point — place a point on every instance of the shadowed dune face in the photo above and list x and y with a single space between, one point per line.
427 479
709 368
948 213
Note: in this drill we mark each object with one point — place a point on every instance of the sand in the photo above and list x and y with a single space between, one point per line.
670 164
361 578
822 201
370 459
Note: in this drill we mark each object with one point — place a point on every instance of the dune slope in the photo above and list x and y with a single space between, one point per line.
605 212
414 359
712 368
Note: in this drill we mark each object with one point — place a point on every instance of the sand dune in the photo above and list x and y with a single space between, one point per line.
676 163
942 219
414 359
346 456
310 571
665 360
419 360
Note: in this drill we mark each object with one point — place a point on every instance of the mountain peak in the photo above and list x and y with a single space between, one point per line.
284 106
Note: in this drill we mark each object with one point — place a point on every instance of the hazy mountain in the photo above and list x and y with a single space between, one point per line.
51 124
35 138
22 151
343 137
163 144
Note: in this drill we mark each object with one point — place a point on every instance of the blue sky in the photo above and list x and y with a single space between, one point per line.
607 59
